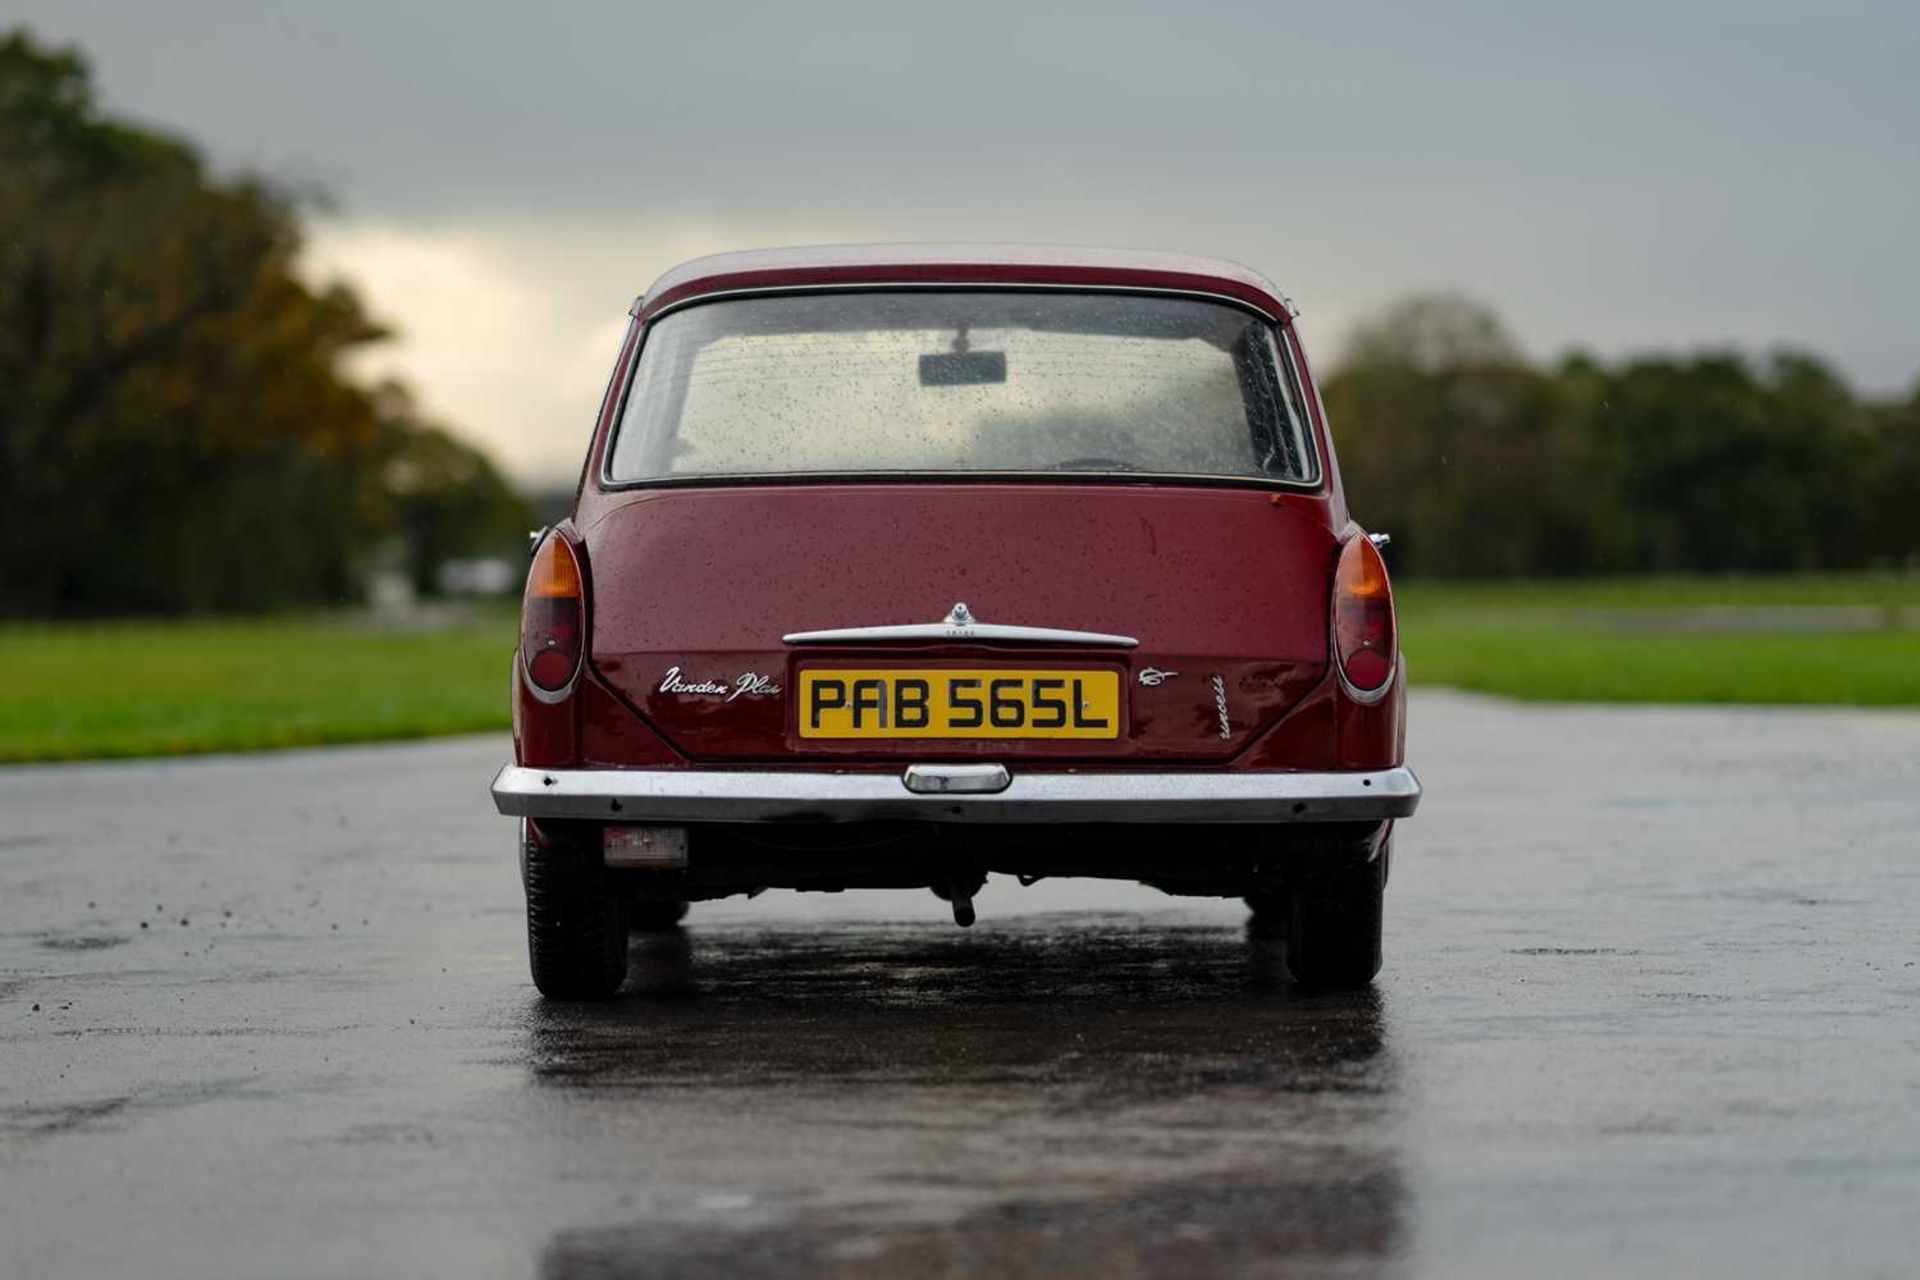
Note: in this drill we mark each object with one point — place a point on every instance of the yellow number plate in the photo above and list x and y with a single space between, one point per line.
944 703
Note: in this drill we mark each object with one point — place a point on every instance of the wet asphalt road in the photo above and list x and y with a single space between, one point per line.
1651 1007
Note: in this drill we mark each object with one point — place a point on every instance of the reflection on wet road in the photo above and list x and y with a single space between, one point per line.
1096 1100
1650 1008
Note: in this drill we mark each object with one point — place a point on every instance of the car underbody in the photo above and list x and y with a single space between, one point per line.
682 835
1223 860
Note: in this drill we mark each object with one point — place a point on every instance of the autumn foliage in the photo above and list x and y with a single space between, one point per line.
177 428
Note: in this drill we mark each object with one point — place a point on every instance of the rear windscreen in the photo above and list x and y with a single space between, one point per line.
952 381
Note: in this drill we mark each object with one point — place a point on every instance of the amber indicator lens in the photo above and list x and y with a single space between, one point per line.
1363 631
550 616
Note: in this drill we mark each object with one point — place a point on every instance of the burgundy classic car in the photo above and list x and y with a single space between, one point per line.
899 566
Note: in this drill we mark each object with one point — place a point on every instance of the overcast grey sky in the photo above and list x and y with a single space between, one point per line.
1616 175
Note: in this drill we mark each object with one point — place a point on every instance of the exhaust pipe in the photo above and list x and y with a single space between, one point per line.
958 888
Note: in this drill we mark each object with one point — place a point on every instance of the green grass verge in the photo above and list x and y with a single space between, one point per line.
72 692
1603 641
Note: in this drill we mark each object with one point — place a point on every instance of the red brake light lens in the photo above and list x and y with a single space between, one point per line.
1363 633
550 616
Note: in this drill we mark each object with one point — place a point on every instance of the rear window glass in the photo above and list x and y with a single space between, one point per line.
951 381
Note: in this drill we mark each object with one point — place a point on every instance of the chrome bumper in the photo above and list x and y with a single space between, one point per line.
738 795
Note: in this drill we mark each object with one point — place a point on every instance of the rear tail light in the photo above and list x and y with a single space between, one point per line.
1363 638
550 617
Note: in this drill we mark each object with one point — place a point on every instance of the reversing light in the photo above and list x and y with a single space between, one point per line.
550 616
1363 632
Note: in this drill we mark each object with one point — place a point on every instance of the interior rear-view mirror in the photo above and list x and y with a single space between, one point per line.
962 368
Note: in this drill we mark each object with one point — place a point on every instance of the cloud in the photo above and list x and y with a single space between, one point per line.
510 352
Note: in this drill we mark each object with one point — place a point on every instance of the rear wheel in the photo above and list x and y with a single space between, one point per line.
576 923
1334 917
1330 915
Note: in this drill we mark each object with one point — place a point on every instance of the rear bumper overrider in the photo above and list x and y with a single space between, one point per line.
787 795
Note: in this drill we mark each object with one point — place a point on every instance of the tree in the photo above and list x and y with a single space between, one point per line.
1731 467
177 431
1470 457
1481 463
1890 506
443 496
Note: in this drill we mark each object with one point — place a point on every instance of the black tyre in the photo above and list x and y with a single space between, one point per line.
576 923
647 916
1334 914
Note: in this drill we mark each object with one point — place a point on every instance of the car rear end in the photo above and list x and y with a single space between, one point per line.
960 568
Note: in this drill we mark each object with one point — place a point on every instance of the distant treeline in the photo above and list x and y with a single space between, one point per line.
1480 463
177 430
